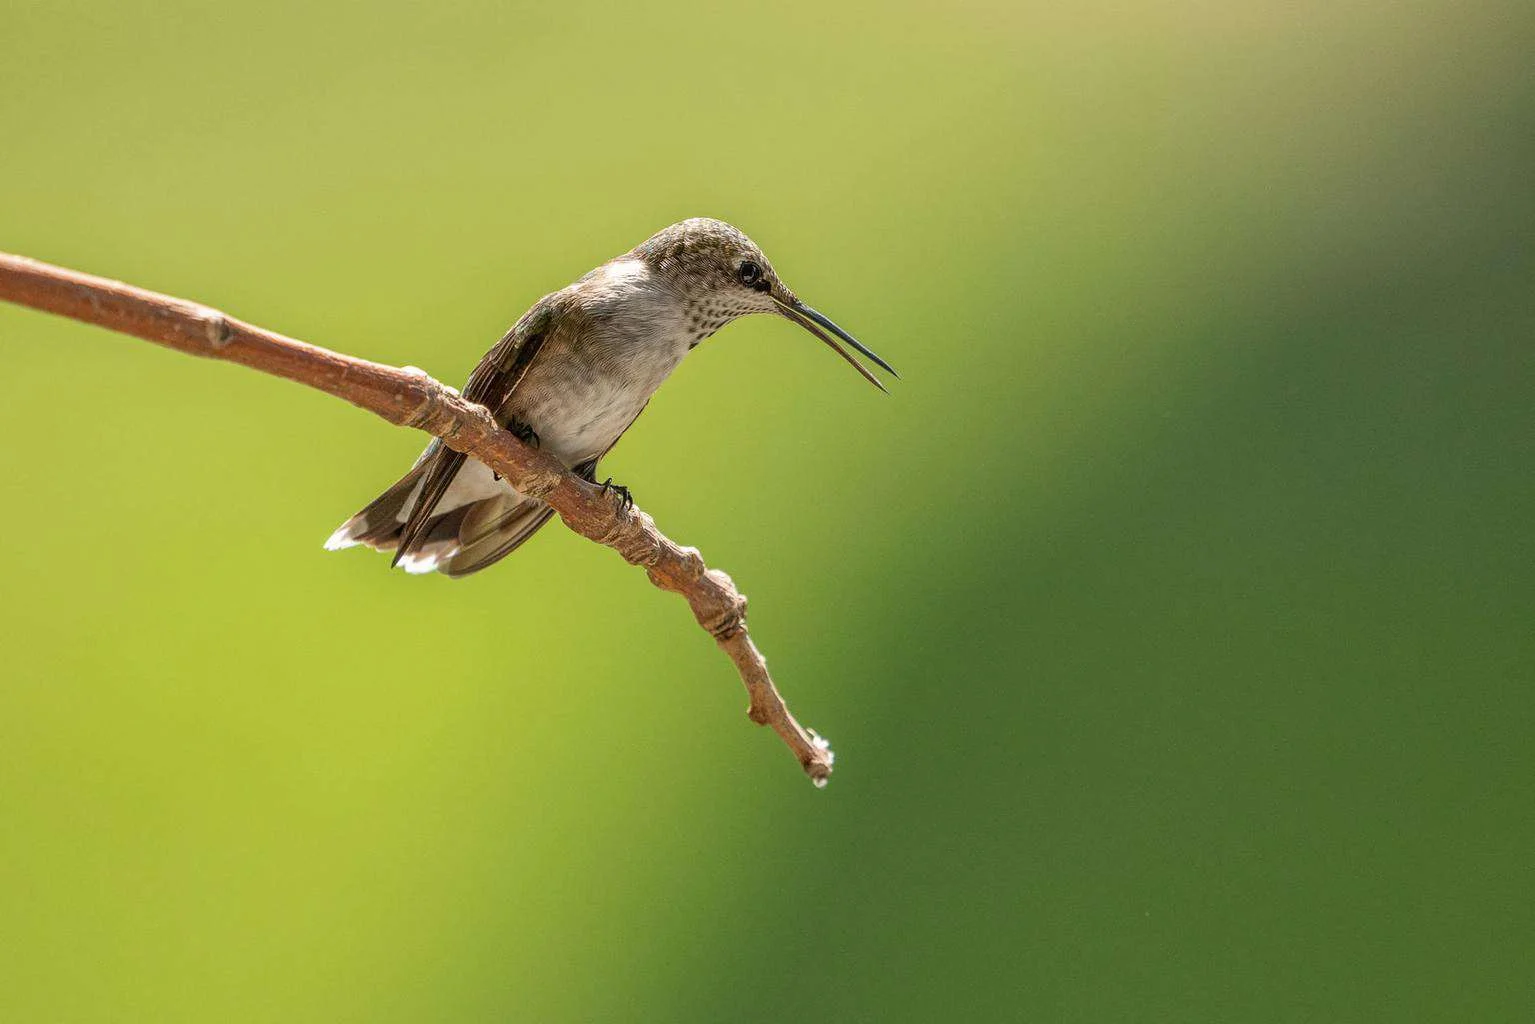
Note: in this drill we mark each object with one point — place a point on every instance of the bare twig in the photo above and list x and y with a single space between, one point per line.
411 398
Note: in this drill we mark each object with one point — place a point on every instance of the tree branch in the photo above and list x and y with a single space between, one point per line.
411 398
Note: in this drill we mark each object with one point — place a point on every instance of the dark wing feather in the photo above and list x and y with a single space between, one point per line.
491 385
442 466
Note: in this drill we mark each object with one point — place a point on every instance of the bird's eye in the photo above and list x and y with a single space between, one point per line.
749 273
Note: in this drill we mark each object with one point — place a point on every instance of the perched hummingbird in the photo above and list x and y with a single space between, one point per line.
571 376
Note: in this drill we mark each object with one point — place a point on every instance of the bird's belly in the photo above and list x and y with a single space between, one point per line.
586 414
581 430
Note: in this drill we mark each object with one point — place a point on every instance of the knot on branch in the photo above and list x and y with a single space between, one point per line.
194 321
620 536
216 327
432 404
693 566
540 483
635 538
728 619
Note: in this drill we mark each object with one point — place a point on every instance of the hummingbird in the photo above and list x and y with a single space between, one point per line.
571 376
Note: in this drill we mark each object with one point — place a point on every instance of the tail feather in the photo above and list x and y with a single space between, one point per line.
440 468
379 523
493 530
478 520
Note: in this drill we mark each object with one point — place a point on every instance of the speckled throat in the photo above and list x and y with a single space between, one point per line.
708 314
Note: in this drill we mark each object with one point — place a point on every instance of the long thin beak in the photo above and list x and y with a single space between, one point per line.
813 321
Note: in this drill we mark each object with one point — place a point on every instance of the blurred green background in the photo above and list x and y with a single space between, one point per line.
1172 620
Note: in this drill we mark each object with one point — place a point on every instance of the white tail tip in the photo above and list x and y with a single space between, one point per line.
342 538
420 562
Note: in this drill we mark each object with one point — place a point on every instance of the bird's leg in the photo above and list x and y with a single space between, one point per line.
522 432
588 471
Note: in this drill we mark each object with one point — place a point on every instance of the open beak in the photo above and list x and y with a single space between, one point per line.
812 321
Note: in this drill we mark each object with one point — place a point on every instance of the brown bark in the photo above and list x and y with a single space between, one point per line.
411 398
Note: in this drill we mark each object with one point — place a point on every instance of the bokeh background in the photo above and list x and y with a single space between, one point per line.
1172 620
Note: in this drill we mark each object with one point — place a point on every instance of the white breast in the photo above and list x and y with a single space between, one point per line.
644 335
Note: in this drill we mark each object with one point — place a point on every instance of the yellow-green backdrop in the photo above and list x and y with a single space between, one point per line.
1172 619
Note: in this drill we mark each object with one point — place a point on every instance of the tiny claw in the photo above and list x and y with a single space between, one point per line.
625 499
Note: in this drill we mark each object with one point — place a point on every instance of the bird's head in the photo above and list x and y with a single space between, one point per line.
722 274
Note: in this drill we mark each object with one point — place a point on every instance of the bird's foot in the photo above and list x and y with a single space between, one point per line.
625 499
522 432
